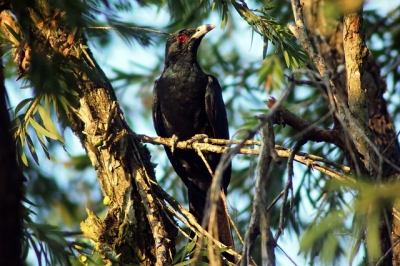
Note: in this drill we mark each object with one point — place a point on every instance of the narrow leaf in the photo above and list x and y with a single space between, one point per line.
29 86
184 252
184 263
17 121
23 158
21 105
21 136
65 104
31 148
13 33
287 58
48 123
43 144
41 129
265 48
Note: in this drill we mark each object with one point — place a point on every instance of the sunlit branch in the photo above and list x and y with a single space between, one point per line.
309 160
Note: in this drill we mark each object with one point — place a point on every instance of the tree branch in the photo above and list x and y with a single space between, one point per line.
300 32
259 221
301 157
308 131
356 54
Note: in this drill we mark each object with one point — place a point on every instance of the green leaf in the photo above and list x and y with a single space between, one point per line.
187 262
29 86
21 105
287 57
23 158
42 130
43 144
13 33
21 138
31 148
265 47
184 252
16 123
57 237
330 244
372 236
65 104
323 229
32 109
48 123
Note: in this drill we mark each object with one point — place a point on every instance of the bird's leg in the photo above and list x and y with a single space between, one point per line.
174 143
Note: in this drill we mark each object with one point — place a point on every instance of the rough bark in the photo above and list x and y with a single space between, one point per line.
358 87
382 128
135 229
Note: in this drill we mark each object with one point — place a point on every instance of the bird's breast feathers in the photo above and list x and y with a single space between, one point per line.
182 105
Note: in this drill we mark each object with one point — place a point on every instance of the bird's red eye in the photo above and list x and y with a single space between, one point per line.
181 38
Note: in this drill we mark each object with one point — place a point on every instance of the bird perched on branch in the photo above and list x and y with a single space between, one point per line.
188 102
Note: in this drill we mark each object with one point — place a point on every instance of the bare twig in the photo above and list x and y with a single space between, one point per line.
259 221
186 217
131 28
288 186
299 31
387 252
275 200
307 130
287 256
214 192
201 155
393 141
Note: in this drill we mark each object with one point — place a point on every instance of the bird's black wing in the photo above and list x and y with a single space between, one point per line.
157 116
216 113
158 122
215 109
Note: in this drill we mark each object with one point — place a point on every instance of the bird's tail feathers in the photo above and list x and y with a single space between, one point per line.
197 201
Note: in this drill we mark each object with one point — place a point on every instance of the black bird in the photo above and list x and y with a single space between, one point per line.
188 102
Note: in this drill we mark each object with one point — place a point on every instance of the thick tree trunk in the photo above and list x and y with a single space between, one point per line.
357 81
135 229
11 181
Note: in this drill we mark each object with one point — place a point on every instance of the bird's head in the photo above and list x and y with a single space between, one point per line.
183 44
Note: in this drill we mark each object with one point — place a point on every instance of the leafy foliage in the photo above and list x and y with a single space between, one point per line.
269 28
48 242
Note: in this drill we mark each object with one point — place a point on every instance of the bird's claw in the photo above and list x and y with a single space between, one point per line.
174 143
197 138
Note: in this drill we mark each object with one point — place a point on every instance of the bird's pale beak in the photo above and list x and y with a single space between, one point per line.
202 30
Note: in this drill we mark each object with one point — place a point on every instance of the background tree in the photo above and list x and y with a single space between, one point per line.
10 190
339 79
